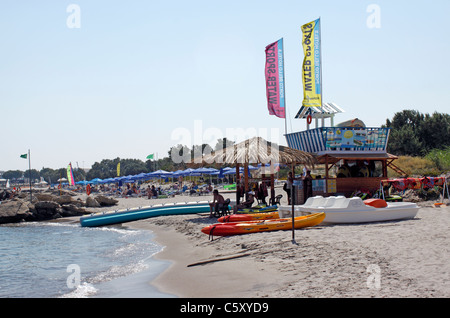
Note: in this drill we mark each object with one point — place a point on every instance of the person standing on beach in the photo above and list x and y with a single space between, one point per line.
217 202
288 186
307 185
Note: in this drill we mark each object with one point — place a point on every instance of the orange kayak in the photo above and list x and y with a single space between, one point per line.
248 217
235 228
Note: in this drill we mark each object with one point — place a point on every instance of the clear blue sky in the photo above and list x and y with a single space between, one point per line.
136 71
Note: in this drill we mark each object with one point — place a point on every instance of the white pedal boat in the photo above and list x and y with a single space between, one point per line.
339 209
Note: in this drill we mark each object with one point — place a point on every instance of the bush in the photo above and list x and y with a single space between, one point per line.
415 166
440 158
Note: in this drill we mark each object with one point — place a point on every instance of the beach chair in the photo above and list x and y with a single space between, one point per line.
276 200
224 210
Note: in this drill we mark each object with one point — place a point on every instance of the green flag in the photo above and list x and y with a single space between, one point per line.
24 156
150 156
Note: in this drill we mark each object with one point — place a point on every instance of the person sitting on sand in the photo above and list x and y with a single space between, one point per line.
152 193
246 204
217 202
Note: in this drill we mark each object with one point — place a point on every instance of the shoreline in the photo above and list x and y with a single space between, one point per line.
327 261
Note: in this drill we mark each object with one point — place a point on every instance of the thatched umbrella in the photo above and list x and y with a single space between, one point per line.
257 150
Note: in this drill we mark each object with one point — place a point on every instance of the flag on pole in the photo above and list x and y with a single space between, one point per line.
70 178
118 169
274 72
24 156
312 74
150 157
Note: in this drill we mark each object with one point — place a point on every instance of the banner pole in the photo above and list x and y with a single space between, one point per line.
284 89
29 174
321 78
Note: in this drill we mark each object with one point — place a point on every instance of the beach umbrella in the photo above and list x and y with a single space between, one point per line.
108 180
178 173
160 173
95 181
202 170
191 172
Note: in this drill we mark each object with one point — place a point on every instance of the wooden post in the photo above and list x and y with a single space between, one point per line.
238 179
272 189
326 175
292 203
246 180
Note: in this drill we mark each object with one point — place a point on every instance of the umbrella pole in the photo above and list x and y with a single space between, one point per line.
237 184
246 180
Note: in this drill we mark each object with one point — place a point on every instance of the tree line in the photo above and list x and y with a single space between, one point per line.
416 134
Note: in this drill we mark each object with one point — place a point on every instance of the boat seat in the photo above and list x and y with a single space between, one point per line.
376 203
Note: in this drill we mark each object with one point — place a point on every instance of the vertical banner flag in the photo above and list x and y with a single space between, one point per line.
274 72
312 75
118 169
70 175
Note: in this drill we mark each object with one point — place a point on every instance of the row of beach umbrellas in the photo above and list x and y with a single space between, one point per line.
170 174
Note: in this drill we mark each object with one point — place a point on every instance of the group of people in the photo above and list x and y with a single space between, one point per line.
258 190
218 202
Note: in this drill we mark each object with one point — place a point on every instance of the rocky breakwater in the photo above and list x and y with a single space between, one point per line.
47 206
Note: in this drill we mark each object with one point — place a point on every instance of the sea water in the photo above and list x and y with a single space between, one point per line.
66 260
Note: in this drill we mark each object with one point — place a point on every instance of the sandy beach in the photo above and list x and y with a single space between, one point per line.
388 259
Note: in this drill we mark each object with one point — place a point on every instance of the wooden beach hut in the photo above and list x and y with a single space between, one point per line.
346 146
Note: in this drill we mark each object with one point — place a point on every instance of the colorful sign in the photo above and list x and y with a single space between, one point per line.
274 72
312 75
343 138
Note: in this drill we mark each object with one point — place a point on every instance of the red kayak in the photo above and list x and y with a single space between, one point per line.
248 217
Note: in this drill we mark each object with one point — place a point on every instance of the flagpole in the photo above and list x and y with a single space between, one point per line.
284 88
321 78
29 173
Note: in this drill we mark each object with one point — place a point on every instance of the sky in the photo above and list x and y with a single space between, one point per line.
129 78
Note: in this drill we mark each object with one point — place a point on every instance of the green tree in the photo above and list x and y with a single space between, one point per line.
415 134
12 174
34 174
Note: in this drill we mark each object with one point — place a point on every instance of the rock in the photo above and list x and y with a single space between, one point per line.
60 199
92 203
106 201
63 199
44 196
13 211
72 210
46 210
5 194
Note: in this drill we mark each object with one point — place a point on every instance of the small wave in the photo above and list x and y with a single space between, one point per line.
82 291
119 271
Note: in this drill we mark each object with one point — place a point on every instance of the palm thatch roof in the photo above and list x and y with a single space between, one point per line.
257 150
